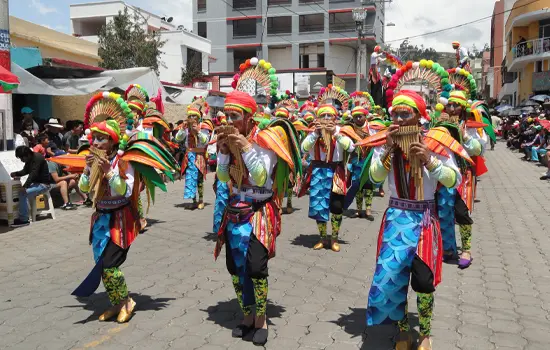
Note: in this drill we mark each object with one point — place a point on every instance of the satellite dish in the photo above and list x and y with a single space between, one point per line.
163 18
180 27
170 19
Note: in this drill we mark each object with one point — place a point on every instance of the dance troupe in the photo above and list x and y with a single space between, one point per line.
338 148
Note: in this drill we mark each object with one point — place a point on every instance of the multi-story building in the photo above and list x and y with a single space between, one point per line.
291 34
181 49
494 76
527 35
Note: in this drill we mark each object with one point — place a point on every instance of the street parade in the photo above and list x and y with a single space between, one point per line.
375 217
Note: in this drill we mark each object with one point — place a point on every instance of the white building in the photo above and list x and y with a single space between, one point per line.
181 48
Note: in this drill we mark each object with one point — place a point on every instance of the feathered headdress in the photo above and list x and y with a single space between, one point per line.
463 80
109 106
406 99
363 99
424 71
136 97
255 73
334 93
241 102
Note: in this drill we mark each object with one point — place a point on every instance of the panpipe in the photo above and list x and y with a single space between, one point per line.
237 170
326 138
97 174
404 138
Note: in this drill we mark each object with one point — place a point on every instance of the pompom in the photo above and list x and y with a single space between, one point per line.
236 77
272 70
267 110
470 102
443 101
267 66
105 94
458 71
128 132
439 107
254 61
430 64
416 65
88 131
242 67
423 63
261 63
234 84
120 152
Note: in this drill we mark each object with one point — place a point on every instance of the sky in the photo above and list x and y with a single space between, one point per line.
411 17
54 14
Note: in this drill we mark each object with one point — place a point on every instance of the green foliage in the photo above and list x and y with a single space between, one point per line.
192 71
124 43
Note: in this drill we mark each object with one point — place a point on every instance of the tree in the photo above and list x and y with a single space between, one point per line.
123 43
191 72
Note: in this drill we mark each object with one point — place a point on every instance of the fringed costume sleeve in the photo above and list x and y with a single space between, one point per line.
445 170
84 183
181 135
222 169
202 137
122 186
378 170
257 168
309 141
345 142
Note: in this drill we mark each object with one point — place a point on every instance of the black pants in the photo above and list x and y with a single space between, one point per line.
256 259
462 216
422 278
336 203
113 255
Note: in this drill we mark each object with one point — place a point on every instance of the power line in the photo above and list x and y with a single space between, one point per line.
461 25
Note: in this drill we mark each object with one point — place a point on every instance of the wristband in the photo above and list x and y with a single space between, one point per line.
110 175
432 164
246 148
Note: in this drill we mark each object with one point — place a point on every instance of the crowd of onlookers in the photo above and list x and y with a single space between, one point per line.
529 135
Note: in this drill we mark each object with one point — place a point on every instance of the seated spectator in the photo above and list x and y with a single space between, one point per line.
65 183
42 146
537 146
39 181
53 130
28 133
72 137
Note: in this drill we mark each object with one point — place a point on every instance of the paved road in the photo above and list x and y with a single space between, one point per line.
317 299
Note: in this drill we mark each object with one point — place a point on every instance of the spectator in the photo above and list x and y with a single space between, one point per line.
42 146
53 130
39 181
538 144
72 137
65 183
28 133
495 121
26 114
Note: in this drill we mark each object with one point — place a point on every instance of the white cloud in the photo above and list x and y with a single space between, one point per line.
42 8
421 16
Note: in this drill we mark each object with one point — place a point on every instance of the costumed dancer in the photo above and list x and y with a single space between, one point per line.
462 56
196 135
329 148
258 167
474 140
360 158
112 171
409 243
409 239
221 189
137 98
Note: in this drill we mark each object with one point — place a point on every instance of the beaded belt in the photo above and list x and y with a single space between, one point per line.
112 204
197 150
407 204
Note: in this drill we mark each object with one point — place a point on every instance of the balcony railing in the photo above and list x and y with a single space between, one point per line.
279 30
311 28
309 1
342 27
279 2
531 48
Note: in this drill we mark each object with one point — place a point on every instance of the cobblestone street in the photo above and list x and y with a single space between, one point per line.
317 299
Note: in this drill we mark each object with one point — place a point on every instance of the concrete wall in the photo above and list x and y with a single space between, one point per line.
52 43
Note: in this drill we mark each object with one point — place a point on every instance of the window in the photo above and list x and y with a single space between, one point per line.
201 5
341 22
312 23
244 4
304 61
279 25
321 60
202 29
244 28
538 66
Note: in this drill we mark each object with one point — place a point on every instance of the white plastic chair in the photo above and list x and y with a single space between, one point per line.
50 210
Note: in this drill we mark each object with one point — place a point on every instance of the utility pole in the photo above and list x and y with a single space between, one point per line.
359 15
6 111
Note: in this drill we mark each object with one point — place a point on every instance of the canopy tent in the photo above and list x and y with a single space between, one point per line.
106 80
8 80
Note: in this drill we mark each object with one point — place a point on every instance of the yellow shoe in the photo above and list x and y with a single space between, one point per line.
319 245
107 315
335 246
200 206
126 311
429 347
404 343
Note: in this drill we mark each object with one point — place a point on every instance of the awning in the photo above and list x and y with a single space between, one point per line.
8 80
106 80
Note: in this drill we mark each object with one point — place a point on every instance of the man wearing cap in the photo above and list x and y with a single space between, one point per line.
53 130
26 114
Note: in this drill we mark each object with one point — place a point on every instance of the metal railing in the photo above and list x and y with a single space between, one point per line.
279 29
308 28
531 48
279 2
342 27
309 1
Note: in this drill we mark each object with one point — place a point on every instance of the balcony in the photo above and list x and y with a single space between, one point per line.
341 22
528 52
244 4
